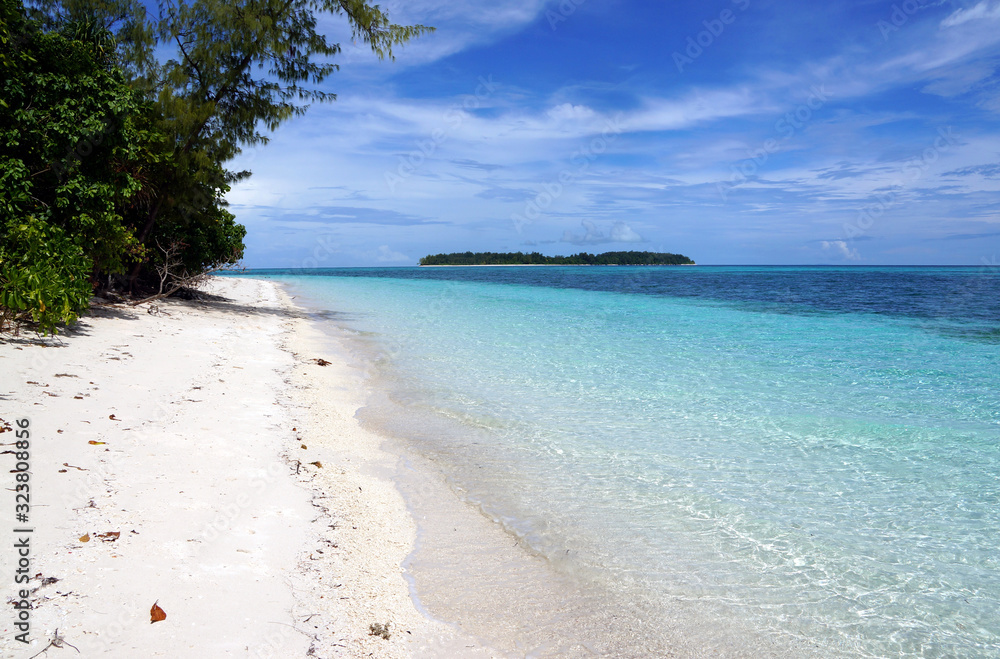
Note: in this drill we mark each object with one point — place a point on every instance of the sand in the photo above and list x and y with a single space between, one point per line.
248 502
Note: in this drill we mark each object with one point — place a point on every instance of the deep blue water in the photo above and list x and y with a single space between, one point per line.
968 297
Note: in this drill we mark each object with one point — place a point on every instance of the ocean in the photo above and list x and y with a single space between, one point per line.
812 452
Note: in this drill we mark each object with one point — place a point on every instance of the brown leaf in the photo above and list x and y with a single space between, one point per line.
85 537
321 361
95 443
110 536
112 417
303 445
317 463
156 614
77 397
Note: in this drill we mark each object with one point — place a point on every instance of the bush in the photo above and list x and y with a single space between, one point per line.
43 276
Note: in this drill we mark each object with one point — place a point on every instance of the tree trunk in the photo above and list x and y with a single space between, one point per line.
143 234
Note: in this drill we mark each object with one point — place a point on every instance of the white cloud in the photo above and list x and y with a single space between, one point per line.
387 255
620 233
841 248
623 233
694 108
982 11
959 79
526 133
570 111
963 36
460 25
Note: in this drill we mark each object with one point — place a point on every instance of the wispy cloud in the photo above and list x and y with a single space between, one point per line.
988 171
386 255
593 235
842 249
988 11
460 25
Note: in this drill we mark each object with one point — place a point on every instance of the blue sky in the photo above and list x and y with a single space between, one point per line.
732 131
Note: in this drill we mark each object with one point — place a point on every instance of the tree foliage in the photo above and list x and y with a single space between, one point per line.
112 159
242 66
69 137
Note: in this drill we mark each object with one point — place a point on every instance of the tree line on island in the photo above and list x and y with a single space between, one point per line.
535 258
117 121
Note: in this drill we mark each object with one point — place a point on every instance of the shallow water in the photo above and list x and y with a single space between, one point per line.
810 452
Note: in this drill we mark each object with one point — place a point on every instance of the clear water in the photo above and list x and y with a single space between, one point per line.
814 450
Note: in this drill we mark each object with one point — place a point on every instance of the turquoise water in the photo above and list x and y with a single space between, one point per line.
814 450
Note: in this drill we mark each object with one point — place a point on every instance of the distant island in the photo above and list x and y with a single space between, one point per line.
534 258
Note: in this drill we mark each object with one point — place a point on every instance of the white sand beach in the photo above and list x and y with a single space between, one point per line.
195 455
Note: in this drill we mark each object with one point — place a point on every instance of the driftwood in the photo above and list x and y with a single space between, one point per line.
173 275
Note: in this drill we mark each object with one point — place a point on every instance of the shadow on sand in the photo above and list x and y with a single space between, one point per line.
28 336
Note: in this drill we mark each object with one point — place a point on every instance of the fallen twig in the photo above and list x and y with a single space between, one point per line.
56 641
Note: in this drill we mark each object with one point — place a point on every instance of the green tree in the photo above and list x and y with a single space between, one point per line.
536 258
69 139
123 25
240 68
210 93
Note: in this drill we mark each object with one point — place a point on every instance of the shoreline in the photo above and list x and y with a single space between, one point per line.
471 568
179 426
